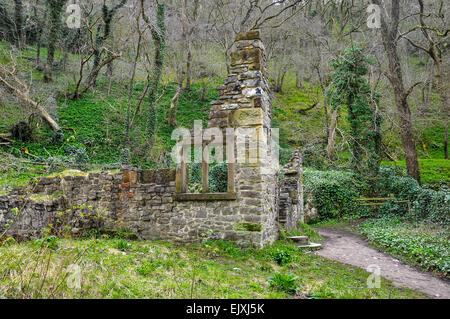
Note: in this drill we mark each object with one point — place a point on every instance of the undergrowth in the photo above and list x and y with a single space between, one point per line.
118 268
420 244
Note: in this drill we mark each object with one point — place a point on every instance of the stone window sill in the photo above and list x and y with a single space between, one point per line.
204 196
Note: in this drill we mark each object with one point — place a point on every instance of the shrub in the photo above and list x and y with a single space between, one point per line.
122 245
284 282
218 178
334 192
51 242
426 204
281 257
76 155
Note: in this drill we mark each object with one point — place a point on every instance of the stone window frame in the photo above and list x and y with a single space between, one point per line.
181 182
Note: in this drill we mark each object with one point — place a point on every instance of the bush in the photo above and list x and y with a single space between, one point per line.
333 193
426 204
433 206
281 257
51 242
122 245
77 155
284 282
218 178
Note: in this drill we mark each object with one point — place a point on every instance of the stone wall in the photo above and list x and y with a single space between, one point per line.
147 202
142 201
291 193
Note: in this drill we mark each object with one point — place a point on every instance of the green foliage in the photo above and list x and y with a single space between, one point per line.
281 257
50 242
122 244
284 282
218 178
306 230
154 269
77 155
333 193
248 227
426 204
302 230
148 267
434 172
297 129
349 88
399 237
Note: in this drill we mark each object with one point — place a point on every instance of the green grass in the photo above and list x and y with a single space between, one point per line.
425 245
15 175
112 268
99 124
295 127
431 170
304 230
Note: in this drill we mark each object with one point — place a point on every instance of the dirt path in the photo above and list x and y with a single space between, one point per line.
351 249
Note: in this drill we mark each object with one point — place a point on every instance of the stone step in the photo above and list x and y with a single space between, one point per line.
299 239
310 245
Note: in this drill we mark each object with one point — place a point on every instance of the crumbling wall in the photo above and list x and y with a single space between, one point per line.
146 201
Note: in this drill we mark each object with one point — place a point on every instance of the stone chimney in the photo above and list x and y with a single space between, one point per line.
246 86
244 103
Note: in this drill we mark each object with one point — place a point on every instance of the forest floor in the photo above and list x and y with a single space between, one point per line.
352 249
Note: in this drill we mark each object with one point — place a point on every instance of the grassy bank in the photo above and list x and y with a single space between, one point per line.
115 268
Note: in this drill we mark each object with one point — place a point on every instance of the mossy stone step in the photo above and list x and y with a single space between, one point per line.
310 245
299 239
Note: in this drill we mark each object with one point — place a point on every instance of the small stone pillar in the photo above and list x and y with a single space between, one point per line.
291 197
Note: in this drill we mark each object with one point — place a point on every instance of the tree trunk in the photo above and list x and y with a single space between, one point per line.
298 78
132 79
389 37
42 112
444 103
188 65
55 7
159 39
18 21
172 120
108 15
301 209
332 135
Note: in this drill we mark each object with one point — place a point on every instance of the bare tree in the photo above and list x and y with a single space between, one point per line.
18 23
389 33
158 32
9 78
435 37
103 33
55 8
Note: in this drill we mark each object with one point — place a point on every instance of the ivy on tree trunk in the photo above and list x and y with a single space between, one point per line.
350 89
55 8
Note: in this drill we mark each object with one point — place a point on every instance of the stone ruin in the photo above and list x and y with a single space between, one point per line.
155 204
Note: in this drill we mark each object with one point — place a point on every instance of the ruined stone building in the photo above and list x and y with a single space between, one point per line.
155 204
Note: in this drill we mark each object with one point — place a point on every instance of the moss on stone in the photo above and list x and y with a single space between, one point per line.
254 227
